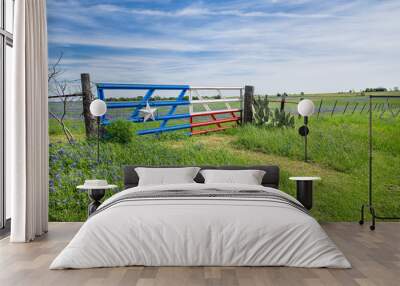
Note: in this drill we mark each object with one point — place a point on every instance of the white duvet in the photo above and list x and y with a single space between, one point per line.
202 232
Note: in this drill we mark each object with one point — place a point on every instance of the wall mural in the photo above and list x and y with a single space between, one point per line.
203 83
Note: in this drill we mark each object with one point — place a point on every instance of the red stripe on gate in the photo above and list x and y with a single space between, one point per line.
205 113
214 121
206 123
197 132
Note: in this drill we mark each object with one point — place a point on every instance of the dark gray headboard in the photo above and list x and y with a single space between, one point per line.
271 177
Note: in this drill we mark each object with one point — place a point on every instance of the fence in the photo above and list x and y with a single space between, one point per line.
331 107
212 116
213 119
145 109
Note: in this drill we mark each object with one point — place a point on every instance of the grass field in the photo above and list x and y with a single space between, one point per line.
338 148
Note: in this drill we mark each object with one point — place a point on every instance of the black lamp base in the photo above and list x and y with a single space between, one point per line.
304 131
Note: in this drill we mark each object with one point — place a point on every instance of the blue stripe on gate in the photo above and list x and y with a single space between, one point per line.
139 105
113 105
167 117
164 129
173 108
127 86
142 103
100 95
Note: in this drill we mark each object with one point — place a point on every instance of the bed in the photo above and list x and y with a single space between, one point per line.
201 224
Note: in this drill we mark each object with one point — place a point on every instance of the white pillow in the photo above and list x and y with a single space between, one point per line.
248 177
166 176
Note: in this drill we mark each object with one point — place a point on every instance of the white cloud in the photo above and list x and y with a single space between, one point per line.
340 48
204 12
124 42
194 10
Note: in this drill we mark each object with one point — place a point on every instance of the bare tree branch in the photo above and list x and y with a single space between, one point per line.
67 132
60 89
54 70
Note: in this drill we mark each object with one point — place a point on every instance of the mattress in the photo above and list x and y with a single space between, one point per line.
201 225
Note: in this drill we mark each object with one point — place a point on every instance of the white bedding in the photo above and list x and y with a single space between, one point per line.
200 231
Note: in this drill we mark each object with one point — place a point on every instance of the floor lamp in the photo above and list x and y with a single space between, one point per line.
305 109
370 205
98 108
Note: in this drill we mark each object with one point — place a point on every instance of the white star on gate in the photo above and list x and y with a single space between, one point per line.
148 112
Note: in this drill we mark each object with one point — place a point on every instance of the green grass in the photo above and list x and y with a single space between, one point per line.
338 148
339 144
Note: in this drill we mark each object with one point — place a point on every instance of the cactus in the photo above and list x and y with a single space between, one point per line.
261 111
282 119
264 117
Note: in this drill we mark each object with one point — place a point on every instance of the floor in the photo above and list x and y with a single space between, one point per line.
375 257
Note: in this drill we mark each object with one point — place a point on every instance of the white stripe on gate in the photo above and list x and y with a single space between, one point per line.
215 100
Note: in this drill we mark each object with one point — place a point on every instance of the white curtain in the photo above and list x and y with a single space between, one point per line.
27 124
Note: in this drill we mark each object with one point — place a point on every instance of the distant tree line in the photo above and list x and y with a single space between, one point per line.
362 92
376 89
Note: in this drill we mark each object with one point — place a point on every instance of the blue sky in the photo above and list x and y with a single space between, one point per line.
275 45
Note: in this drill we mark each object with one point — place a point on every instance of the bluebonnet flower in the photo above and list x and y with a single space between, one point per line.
58 178
52 190
51 183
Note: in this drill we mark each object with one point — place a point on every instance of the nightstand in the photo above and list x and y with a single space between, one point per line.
304 192
96 193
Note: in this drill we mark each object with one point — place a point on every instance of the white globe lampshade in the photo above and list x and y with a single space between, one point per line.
305 107
98 107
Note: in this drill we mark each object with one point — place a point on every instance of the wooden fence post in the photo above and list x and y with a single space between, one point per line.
346 107
355 107
319 108
283 100
247 116
363 108
87 97
334 107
